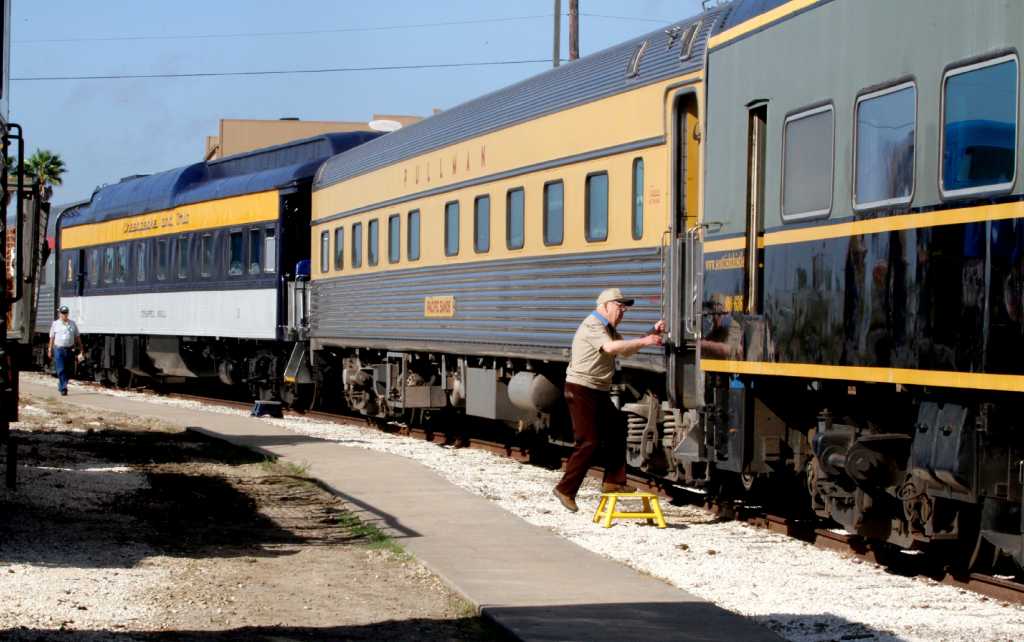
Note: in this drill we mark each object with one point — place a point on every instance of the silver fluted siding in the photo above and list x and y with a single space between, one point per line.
44 301
528 306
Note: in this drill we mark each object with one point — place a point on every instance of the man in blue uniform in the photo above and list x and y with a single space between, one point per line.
64 336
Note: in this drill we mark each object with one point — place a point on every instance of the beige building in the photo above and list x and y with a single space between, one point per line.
239 135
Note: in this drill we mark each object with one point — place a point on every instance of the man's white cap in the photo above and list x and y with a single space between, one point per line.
613 294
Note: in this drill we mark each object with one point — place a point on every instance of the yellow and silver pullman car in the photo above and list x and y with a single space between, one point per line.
453 260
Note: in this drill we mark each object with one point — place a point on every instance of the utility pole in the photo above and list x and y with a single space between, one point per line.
574 29
557 53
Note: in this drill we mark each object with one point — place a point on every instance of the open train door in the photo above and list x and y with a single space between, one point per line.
686 274
29 253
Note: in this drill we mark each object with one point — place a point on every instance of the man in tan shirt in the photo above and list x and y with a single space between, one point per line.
598 426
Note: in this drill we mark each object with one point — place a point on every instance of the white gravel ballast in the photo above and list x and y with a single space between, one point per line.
799 591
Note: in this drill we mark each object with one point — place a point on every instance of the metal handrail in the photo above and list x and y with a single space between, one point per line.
19 270
695 275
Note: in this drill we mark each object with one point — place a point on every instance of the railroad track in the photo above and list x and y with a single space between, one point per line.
915 564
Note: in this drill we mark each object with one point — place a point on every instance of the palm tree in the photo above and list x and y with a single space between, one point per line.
46 168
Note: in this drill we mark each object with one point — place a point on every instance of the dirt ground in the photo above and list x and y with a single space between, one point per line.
124 528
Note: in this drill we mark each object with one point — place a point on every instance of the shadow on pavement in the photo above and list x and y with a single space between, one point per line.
684 621
696 621
470 629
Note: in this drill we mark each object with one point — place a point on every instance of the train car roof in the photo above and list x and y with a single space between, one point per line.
255 171
588 79
582 81
740 12
58 211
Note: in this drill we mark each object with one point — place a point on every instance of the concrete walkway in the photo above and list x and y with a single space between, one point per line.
530 581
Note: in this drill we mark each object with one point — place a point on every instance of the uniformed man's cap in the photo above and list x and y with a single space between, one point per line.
63 309
613 294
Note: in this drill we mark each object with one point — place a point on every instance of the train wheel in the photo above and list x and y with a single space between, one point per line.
119 378
984 556
540 450
748 481
99 375
298 397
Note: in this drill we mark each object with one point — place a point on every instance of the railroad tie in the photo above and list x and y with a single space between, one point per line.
651 508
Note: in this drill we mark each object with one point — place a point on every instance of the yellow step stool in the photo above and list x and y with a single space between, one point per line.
652 509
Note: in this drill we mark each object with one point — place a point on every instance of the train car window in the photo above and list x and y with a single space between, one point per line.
236 254
184 242
596 207
372 242
807 164
270 250
69 271
357 245
140 262
482 224
94 266
979 127
515 214
163 258
255 251
412 231
122 262
325 251
451 228
638 198
339 248
108 265
394 238
207 255
554 194
884 147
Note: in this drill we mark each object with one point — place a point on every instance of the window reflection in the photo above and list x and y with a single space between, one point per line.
553 224
597 207
980 127
807 164
516 212
885 147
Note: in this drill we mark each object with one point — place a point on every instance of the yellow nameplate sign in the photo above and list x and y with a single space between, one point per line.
439 307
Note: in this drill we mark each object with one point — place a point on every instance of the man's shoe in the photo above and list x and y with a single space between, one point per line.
608 487
568 502
63 393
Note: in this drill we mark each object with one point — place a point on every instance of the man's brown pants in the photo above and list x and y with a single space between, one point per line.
600 431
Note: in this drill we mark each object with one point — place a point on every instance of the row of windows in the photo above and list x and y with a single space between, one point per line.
595 223
978 142
252 251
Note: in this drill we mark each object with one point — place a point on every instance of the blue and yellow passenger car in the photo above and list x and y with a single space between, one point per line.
186 273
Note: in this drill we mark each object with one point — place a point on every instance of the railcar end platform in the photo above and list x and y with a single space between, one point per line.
529 581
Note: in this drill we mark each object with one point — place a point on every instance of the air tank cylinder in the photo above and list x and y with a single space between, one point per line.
533 392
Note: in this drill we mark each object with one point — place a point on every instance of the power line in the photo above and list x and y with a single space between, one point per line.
285 71
262 34
284 33
657 20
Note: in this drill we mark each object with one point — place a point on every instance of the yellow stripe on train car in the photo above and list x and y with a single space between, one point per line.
495 159
224 212
868 374
759 21
629 116
898 223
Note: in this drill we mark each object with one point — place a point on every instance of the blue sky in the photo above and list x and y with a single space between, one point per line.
106 129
